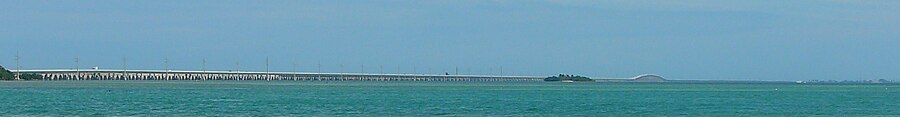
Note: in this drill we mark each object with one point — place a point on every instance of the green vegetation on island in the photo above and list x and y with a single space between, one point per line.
7 75
564 77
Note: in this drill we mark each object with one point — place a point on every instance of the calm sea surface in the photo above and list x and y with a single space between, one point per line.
359 98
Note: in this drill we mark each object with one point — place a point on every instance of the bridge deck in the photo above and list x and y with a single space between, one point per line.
112 74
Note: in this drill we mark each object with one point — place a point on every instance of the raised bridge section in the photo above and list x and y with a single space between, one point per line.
108 74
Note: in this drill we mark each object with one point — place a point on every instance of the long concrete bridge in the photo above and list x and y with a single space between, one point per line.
114 74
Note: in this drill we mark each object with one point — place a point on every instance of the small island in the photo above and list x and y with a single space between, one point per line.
569 78
7 75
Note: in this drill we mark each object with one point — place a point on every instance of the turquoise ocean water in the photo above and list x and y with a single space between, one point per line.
360 98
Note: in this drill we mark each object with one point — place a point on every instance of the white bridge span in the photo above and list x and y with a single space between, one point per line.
113 74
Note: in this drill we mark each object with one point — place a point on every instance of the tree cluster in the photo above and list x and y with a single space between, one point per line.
7 75
565 77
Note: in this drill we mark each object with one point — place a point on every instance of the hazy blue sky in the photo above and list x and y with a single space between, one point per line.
693 39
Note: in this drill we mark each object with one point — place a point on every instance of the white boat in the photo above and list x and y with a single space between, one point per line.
568 81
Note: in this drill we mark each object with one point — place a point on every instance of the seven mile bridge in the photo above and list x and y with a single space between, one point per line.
120 74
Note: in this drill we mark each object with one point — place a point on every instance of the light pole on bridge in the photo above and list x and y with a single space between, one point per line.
18 67
166 64
124 65
77 72
318 70
501 70
294 70
124 68
204 65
